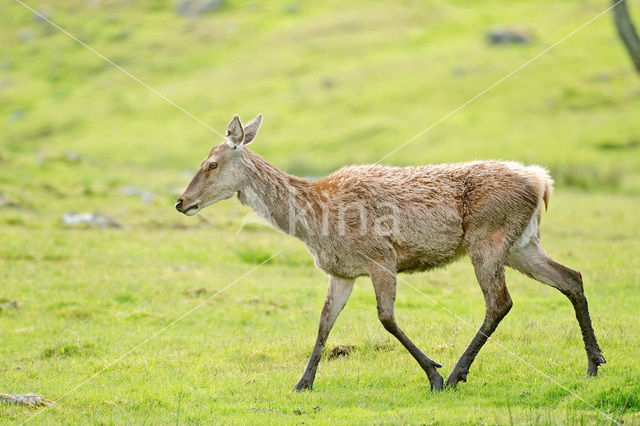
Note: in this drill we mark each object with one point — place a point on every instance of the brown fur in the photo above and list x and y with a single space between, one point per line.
379 221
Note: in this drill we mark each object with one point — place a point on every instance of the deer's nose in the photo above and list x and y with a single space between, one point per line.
179 204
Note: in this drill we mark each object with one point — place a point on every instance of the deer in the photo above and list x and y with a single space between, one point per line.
379 221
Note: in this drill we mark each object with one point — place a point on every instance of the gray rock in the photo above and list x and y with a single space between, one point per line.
501 35
458 71
292 8
4 83
196 8
15 115
41 16
96 220
25 35
92 4
132 191
328 82
72 157
28 399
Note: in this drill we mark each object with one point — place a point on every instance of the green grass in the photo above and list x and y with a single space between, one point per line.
338 83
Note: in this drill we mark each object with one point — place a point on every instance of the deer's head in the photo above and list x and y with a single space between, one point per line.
221 173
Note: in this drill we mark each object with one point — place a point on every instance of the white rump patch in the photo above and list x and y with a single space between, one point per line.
529 232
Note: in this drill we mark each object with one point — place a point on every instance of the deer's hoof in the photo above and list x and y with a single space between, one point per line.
592 370
594 363
302 385
454 378
437 382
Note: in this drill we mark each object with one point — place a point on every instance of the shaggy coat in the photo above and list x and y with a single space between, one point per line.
378 221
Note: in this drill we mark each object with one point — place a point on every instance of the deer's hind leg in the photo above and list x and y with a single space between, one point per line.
532 261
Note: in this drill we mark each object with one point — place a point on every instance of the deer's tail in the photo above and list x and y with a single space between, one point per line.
543 182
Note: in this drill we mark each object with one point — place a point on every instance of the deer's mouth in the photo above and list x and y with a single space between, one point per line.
192 209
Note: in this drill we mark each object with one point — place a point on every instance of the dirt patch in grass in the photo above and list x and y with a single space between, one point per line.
346 350
341 351
195 292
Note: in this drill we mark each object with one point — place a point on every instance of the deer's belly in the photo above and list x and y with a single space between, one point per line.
339 263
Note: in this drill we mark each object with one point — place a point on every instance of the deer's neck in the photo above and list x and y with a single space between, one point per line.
287 202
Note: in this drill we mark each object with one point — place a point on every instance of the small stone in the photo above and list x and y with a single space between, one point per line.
42 16
458 71
72 157
182 7
195 8
501 35
131 191
292 8
4 83
25 35
15 115
328 82
96 220
210 6
92 4
28 399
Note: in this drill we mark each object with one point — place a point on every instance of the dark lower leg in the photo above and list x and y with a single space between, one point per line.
533 261
594 355
384 284
497 305
461 369
569 282
309 375
337 295
428 365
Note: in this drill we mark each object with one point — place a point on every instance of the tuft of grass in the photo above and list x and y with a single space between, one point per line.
124 298
622 398
70 350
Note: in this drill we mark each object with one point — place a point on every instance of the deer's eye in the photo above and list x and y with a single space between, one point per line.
213 165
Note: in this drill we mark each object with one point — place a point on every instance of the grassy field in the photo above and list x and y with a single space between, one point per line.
338 83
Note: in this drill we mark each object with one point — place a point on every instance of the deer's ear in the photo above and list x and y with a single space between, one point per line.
251 129
235 133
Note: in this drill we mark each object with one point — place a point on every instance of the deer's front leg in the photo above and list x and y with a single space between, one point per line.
337 295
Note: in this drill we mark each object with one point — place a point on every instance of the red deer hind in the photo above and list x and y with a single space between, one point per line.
380 221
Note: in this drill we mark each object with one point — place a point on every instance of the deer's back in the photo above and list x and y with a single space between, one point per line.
433 208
